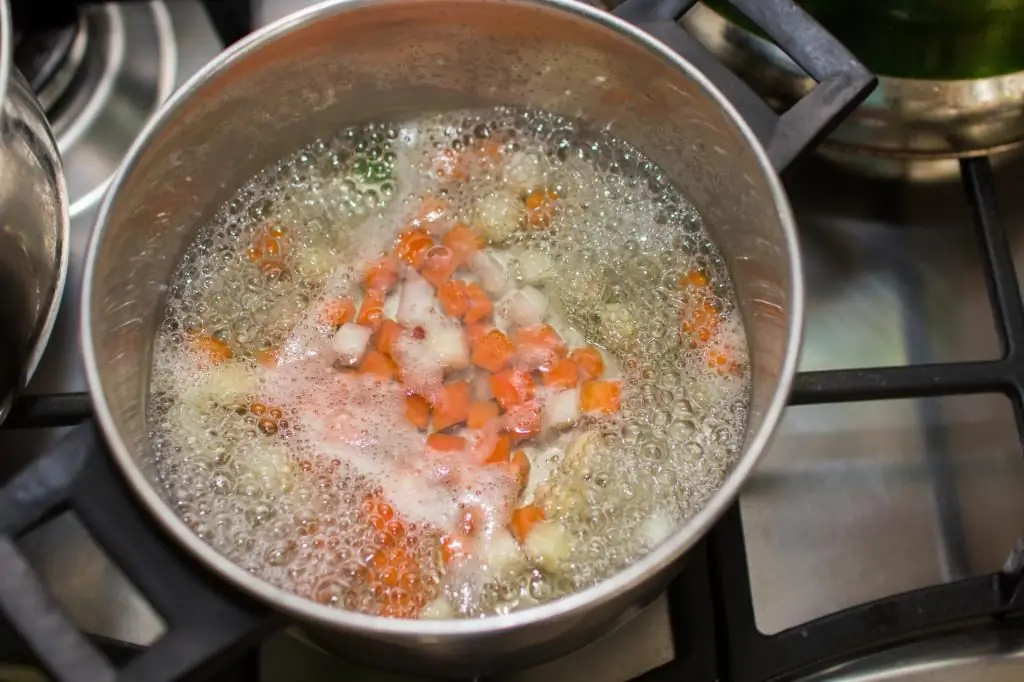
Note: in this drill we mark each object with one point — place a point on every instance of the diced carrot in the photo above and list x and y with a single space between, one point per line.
451 405
453 548
463 242
589 361
493 351
417 411
378 365
454 301
500 452
215 350
561 374
337 311
387 335
444 442
449 164
694 278
481 412
540 337
382 274
489 150
700 324
721 360
371 313
476 332
412 245
480 306
432 210
512 387
523 421
540 207
438 265
267 357
524 519
269 249
600 396
520 464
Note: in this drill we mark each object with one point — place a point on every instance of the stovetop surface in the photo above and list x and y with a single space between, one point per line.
855 501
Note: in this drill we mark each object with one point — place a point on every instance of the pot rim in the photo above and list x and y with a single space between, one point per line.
6 48
312 612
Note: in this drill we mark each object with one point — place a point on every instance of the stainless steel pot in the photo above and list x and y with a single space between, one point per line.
352 60
34 225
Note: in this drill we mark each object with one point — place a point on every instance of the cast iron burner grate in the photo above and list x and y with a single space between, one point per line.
711 605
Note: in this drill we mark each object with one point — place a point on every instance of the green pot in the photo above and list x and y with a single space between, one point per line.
925 39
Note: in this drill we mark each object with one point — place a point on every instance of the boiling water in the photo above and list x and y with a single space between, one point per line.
620 255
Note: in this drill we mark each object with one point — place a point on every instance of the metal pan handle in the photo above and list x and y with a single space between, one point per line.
843 82
207 622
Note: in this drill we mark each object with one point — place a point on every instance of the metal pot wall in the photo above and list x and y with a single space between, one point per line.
355 60
34 225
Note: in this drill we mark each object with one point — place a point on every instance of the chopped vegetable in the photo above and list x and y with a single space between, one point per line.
482 413
213 349
589 361
267 357
500 452
378 365
501 553
350 342
451 405
437 608
438 264
448 164
523 421
386 337
417 303
381 275
417 411
540 208
269 249
411 246
453 548
337 312
525 307
547 542
463 242
520 464
449 347
512 387
491 270
524 172
443 442
493 351
563 373
453 297
600 396
432 213
524 520
538 346
562 409
497 215
371 313
534 267
479 306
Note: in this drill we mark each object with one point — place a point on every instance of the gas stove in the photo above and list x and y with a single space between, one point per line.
879 537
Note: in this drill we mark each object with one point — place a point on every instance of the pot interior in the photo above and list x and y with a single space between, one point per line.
382 59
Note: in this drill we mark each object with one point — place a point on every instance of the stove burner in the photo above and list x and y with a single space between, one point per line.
50 58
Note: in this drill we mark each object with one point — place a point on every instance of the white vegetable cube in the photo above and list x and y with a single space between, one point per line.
562 409
417 305
491 271
497 215
501 553
656 528
525 307
350 342
524 172
548 544
449 346
437 609
535 267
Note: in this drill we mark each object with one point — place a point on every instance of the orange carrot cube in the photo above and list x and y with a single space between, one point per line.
540 208
454 301
520 465
480 306
500 452
512 387
463 242
386 337
451 405
481 413
540 337
524 519
411 246
337 311
589 361
493 351
215 350
417 411
382 274
443 442
378 365
438 265
600 396
523 421
561 374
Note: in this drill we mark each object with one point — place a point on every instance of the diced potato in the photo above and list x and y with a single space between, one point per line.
350 342
656 528
524 307
497 215
417 304
562 409
492 271
225 385
535 267
437 609
501 553
524 172
548 544
449 346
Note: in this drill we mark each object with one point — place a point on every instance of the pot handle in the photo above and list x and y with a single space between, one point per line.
207 623
843 82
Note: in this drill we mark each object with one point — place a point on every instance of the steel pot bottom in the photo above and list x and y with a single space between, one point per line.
358 60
